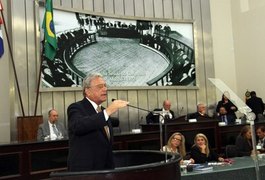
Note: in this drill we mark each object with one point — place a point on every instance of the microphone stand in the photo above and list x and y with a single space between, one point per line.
160 125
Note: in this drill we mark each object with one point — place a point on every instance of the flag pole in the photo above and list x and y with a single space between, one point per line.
12 59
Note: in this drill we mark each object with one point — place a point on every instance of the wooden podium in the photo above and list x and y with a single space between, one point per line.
27 127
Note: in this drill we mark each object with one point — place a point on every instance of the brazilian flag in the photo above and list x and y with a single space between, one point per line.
50 42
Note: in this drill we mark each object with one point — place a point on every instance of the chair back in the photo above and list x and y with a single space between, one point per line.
230 151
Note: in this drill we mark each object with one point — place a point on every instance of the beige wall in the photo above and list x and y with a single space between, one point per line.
238 41
25 33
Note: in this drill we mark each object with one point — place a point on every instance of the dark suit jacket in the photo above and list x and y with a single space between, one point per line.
200 158
89 146
198 116
243 146
151 118
230 118
256 104
44 130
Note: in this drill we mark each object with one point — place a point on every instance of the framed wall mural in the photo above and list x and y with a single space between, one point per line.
130 53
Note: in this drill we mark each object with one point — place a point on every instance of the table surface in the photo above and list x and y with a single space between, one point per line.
242 168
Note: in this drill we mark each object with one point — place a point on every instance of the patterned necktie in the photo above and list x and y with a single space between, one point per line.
105 127
55 130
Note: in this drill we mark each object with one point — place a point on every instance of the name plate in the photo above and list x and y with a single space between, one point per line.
192 120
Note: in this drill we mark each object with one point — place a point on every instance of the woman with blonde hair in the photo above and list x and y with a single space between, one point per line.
176 144
201 152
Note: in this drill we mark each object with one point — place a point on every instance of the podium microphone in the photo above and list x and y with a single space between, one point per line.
135 107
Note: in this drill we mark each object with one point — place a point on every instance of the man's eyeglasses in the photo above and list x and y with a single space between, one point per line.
99 86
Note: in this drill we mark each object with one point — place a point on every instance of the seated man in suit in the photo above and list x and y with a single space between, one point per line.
166 114
52 129
224 117
261 139
200 114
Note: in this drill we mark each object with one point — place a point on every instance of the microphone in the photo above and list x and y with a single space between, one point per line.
134 106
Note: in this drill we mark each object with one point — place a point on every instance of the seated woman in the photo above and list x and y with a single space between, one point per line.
176 144
201 152
243 142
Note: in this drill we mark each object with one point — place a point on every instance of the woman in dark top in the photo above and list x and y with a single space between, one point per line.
229 106
243 142
200 151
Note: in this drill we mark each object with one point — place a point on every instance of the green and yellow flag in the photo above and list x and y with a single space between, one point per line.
50 42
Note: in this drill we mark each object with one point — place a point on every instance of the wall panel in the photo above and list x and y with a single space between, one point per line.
129 7
77 4
168 9
177 9
99 6
109 6
119 7
149 8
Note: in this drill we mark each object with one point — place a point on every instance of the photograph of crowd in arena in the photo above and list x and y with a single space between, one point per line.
127 52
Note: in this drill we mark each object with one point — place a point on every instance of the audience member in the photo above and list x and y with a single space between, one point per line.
51 129
176 144
90 131
256 104
201 152
229 106
223 116
166 114
261 139
200 114
243 142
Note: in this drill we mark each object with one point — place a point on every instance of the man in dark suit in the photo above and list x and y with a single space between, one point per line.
51 129
166 113
224 117
200 114
90 132
261 139
256 104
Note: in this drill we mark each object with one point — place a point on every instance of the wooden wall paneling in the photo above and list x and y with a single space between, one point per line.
192 100
88 5
112 94
66 4
31 55
139 8
161 96
149 8
152 96
20 53
109 6
158 9
99 6
77 4
142 103
57 3
78 95
69 98
124 113
58 104
182 101
129 7
46 103
177 9
208 54
118 7
172 96
200 56
187 9
168 9
133 112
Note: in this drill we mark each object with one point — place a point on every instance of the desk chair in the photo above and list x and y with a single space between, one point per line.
230 151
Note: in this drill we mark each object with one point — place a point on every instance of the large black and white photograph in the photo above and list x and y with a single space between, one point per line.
127 52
